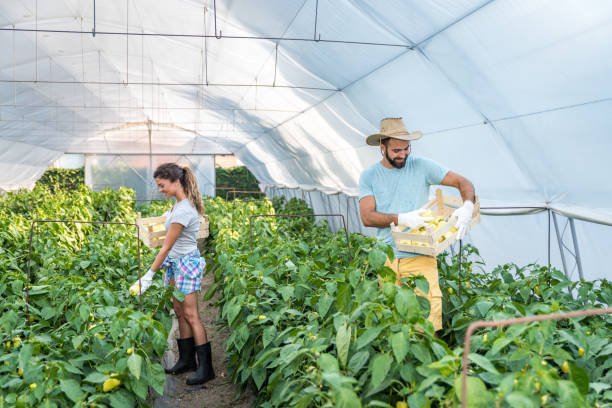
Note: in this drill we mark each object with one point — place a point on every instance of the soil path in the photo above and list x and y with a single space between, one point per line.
217 393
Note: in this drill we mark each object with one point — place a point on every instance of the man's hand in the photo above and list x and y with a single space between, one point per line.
464 216
145 283
412 219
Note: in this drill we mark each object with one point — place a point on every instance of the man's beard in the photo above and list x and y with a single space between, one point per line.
394 163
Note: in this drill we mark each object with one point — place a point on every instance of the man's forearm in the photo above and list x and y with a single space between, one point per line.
379 220
466 189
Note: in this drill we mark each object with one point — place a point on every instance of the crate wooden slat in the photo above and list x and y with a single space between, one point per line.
442 206
153 230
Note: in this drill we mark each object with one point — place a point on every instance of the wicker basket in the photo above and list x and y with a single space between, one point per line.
153 230
429 240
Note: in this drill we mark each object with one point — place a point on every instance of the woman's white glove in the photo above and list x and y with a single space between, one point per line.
464 216
412 219
144 284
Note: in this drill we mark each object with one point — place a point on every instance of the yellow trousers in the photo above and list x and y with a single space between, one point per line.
428 267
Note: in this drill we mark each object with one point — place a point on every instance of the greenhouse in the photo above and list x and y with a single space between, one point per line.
498 109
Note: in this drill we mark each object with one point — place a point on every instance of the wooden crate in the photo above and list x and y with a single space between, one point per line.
153 230
427 243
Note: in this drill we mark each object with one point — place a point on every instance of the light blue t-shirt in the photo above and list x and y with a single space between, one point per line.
398 191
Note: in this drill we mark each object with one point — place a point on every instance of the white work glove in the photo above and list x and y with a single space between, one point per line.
412 219
144 284
464 216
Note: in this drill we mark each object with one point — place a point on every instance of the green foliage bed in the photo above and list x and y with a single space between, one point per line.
310 326
84 328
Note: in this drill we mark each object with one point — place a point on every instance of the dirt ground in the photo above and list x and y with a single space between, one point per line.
217 393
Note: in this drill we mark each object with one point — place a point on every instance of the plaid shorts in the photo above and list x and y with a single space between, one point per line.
186 271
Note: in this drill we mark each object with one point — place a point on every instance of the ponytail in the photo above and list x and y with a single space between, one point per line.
189 182
190 185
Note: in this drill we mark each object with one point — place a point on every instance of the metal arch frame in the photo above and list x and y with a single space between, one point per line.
563 248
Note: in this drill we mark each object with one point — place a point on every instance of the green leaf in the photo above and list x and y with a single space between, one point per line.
77 341
377 258
233 312
210 292
242 335
407 304
400 345
357 361
599 387
367 336
259 376
344 298
380 365
157 377
134 363
569 396
346 398
483 307
570 338
328 363
72 389
96 377
178 295
580 377
519 354
517 399
139 387
84 312
25 354
268 336
121 399
325 301
483 362
446 365
287 292
499 344
476 393
343 340
159 342
422 284
417 400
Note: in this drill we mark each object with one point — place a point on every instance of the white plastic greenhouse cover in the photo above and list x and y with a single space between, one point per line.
516 95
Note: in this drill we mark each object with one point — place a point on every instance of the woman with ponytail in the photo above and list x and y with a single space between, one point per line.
180 258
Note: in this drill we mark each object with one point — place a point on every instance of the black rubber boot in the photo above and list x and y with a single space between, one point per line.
205 369
186 361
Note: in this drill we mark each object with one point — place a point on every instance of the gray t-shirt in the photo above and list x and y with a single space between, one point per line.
184 213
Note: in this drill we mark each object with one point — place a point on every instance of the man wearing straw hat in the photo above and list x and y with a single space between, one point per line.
392 191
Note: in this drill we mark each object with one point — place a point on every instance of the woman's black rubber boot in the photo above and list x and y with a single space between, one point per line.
186 361
205 370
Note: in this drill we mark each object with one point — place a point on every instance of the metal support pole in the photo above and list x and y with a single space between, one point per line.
549 240
576 251
460 260
93 30
560 241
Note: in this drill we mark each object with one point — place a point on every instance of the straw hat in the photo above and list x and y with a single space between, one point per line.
395 128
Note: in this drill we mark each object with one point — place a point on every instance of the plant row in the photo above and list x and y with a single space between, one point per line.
312 325
81 340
